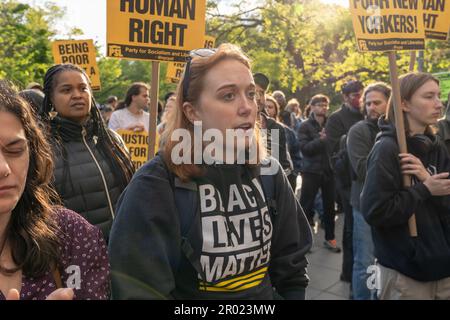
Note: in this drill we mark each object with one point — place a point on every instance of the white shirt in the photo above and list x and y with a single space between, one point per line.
123 118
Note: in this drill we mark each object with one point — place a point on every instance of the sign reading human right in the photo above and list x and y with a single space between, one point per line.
159 30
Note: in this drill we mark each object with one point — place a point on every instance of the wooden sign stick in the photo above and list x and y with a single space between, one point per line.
154 96
400 127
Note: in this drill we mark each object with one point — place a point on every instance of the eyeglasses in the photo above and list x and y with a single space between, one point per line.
203 53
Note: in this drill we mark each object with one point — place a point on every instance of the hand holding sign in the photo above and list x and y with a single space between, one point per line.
390 25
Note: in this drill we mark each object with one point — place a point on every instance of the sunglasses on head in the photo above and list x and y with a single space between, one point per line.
203 53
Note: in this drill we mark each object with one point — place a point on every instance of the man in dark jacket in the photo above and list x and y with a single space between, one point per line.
273 128
337 126
316 171
360 141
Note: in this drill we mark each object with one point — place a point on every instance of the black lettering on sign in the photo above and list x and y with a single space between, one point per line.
138 152
76 59
137 164
435 5
429 20
406 4
388 24
126 138
366 4
209 44
181 9
73 48
135 139
157 32
178 73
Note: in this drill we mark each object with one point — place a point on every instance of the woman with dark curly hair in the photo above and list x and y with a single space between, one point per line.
42 246
92 166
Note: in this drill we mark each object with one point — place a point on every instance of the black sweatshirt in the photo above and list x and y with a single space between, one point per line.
243 251
387 206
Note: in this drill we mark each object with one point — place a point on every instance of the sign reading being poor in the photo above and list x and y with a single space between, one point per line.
388 25
436 18
160 30
79 52
137 144
175 69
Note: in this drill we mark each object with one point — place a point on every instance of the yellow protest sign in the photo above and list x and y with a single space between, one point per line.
388 25
209 42
175 69
137 144
436 18
159 30
79 52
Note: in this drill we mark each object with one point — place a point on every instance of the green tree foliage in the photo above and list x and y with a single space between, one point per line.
304 46
25 34
307 47
117 75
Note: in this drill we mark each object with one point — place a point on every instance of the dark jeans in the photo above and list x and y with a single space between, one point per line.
347 237
311 183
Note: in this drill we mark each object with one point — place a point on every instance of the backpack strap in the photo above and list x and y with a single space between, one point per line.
268 186
186 201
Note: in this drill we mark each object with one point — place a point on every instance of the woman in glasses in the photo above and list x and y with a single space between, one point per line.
202 221
410 267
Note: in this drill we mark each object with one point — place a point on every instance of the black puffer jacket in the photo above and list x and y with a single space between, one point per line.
314 150
82 176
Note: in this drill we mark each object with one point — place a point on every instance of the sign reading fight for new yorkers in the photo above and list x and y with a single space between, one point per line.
175 69
79 52
159 30
137 144
388 25
436 18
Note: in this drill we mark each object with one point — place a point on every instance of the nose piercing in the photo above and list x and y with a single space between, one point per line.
7 174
